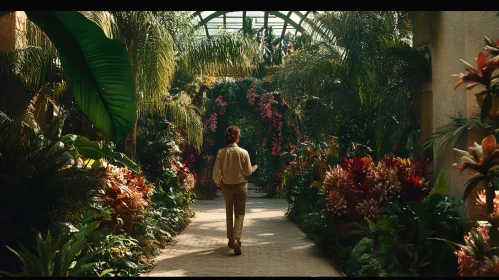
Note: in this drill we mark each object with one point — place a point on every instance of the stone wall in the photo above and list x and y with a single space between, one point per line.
7 32
451 36
10 25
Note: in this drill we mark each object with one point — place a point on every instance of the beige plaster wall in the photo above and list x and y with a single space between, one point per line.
10 25
452 35
7 32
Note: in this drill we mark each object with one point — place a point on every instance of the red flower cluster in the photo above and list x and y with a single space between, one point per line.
411 174
185 177
357 187
127 194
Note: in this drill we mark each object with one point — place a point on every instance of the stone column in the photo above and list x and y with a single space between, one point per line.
451 36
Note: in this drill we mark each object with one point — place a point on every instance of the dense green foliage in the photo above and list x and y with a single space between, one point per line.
396 244
76 207
359 83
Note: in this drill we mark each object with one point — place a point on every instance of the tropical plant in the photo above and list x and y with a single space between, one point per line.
477 257
45 170
127 194
25 73
401 243
111 108
482 160
157 51
365 70
481 75
358 187
60 257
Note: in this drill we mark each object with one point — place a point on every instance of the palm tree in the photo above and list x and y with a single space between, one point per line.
360 77
97 69
162 42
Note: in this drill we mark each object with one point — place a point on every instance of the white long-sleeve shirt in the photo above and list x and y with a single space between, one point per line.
232 165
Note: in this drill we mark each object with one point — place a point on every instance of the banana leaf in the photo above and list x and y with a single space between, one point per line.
96 150
98 69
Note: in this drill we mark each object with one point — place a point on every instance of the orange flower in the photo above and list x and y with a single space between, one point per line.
480 157
467 265
482 75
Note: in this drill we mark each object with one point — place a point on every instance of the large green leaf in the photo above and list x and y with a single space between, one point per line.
96 150
441 185
98 69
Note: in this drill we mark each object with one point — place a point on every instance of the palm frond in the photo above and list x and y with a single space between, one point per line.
35 37
22 72
447 135
324 26
151 51
105 21
71 190
30 64
185 117
180 26
17 136
414 70
188 120
215 54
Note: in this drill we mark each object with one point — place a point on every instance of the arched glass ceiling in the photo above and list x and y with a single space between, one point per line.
282 22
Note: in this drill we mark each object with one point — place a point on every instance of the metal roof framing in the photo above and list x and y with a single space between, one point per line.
274 14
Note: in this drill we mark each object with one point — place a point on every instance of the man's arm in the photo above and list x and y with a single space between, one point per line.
217 170
247 169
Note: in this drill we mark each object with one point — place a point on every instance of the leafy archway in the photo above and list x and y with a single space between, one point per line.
254 105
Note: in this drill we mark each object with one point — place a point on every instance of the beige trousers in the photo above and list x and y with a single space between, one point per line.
235 204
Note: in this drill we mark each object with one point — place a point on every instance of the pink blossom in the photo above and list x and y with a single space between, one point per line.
190 158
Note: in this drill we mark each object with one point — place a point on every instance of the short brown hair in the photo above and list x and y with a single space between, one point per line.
231 134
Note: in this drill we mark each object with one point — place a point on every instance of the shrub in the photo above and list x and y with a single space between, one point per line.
357 187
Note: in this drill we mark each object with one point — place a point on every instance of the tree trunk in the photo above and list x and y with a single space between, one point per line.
130 142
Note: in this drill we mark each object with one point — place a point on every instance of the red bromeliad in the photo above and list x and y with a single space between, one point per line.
360 186
480 158
481 75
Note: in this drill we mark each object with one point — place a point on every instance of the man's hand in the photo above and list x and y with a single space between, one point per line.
254 167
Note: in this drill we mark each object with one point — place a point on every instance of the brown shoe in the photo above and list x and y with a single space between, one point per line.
230 243
236 247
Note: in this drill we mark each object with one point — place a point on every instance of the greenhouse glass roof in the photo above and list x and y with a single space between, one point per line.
282 22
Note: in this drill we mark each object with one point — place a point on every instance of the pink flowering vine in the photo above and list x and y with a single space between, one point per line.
251 94
210 124
268 114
